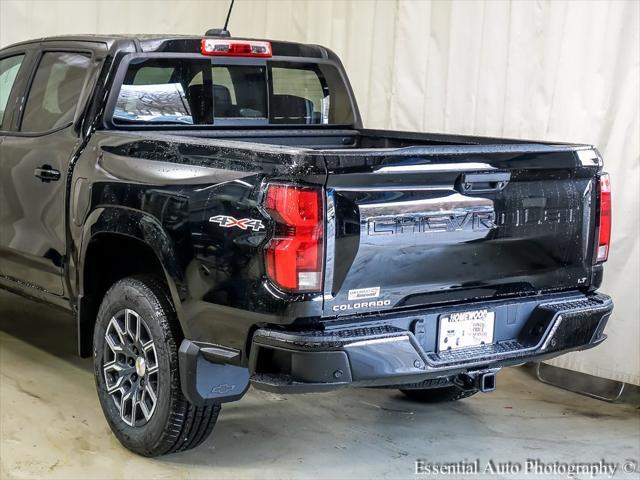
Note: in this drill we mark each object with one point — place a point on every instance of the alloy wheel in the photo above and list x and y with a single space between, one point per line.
130 367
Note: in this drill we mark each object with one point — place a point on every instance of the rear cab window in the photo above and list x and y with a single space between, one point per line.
299 95
200 91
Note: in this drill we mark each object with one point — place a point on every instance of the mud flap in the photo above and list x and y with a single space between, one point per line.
206 382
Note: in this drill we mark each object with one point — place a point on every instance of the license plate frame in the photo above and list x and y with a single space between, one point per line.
465 329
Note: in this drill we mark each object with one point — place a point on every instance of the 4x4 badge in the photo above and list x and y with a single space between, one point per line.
244 223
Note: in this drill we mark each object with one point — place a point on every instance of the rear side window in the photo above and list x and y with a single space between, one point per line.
55 91
196 91
9 68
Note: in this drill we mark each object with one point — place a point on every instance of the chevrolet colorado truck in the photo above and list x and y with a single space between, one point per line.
214 214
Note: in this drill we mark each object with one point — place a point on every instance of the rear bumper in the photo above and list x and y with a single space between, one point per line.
395 349
380 353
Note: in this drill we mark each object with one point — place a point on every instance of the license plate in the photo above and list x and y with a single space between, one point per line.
465 329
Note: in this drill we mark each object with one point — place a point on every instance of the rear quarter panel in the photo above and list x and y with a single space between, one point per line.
164 190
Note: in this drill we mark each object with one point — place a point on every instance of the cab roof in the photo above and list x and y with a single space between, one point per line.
180 44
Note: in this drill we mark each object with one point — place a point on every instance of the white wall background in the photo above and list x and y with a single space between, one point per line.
553 70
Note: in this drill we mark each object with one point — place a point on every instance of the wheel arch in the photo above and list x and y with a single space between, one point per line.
116 243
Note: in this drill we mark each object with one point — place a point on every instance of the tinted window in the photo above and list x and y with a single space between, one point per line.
298 96
197 92
308 93
239 91
55 91
8 72
192 92
165 91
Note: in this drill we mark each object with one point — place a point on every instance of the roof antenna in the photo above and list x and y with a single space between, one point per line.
221 32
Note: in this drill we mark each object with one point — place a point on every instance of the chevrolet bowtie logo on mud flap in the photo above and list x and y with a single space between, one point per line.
223 388
484 219
244 223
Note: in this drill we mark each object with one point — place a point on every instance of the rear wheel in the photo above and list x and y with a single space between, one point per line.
136 342
438 395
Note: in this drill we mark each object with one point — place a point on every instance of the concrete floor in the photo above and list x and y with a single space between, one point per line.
51 423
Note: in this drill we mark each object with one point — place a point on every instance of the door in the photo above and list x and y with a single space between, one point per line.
10 66
33 168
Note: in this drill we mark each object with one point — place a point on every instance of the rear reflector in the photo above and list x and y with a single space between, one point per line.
294 255
235 48
604 235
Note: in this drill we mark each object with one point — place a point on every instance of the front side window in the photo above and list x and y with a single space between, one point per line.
55 91
193 91
9 68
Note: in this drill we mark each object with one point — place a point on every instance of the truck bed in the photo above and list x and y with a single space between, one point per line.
420 219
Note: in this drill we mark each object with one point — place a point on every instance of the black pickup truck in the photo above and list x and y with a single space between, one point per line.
214 214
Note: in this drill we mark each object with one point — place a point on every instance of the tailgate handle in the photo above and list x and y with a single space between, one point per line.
484 182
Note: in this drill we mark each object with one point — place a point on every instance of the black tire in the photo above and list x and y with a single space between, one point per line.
172 424
437 395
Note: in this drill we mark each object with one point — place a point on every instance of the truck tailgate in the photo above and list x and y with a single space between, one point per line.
418 226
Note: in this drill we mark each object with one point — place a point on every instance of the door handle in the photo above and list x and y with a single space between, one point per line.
483 182
47 174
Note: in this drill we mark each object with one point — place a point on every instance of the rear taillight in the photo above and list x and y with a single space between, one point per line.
235 48
294 255
604 230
